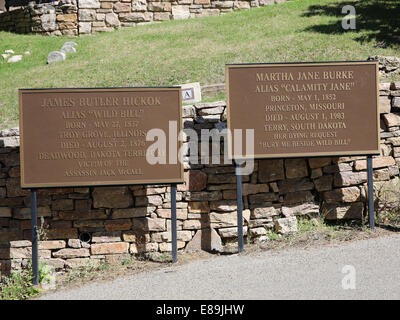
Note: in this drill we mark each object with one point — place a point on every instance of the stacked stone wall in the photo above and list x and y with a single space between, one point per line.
73 17
116 222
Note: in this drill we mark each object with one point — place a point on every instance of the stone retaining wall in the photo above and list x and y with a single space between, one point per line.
73 17
124 221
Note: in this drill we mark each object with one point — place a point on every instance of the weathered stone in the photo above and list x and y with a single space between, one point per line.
51 245
270 170
193 224
381 175
109 248
5 212
324 183
286 225
71 253
180 12
297 197
311 209
159 6
319 162
62 204
143 247
181 214
56 56
25 213
231 232
220 220
224 205
343 179
135 17
263 212
203 196
199 207
296 168
338 212
88 4
132 212
206 239
384 104
14 59
20 244
379 162
195 180
74 243
85 28
392 119
112 197
154 200
294 185
349 194
112 20
139 5
249 188
149 224
120 224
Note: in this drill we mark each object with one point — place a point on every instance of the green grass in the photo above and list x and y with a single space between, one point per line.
194 50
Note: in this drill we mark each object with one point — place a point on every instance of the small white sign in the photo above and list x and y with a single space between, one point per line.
191 92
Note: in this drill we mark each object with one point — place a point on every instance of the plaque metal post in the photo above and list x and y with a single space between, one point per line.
35 252
239 205
173 224
370 193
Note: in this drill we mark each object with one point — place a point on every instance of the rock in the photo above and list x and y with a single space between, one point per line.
384 104
195 180
180 12
224 205
392 119
396 103
9 51
319 162
338 212
74 243
297 197
112 197
52 244
343 179
378 162
220 220
27 53
68 49
56 56
205 239
257 232
194 207
88 4
387 64
294 185
112 20
286 225
71 253
5 56
264 212
270 170
323 183
349 194
109 248
231 232
5 212
149 224
296 168
70 43
310 209
14 59
132 212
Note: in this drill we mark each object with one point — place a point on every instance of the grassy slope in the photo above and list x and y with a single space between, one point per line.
176 52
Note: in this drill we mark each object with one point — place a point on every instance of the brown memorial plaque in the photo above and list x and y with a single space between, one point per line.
305 109
93 137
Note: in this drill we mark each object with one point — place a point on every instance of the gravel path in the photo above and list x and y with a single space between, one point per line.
314 273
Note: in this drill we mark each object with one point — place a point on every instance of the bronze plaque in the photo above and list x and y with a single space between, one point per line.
94 137
305 109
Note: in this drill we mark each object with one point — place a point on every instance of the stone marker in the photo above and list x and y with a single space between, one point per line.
68 49
191 92
14 59
56 56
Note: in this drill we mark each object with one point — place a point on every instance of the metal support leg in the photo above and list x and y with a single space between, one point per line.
239 207
35 255
173 224
370 193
